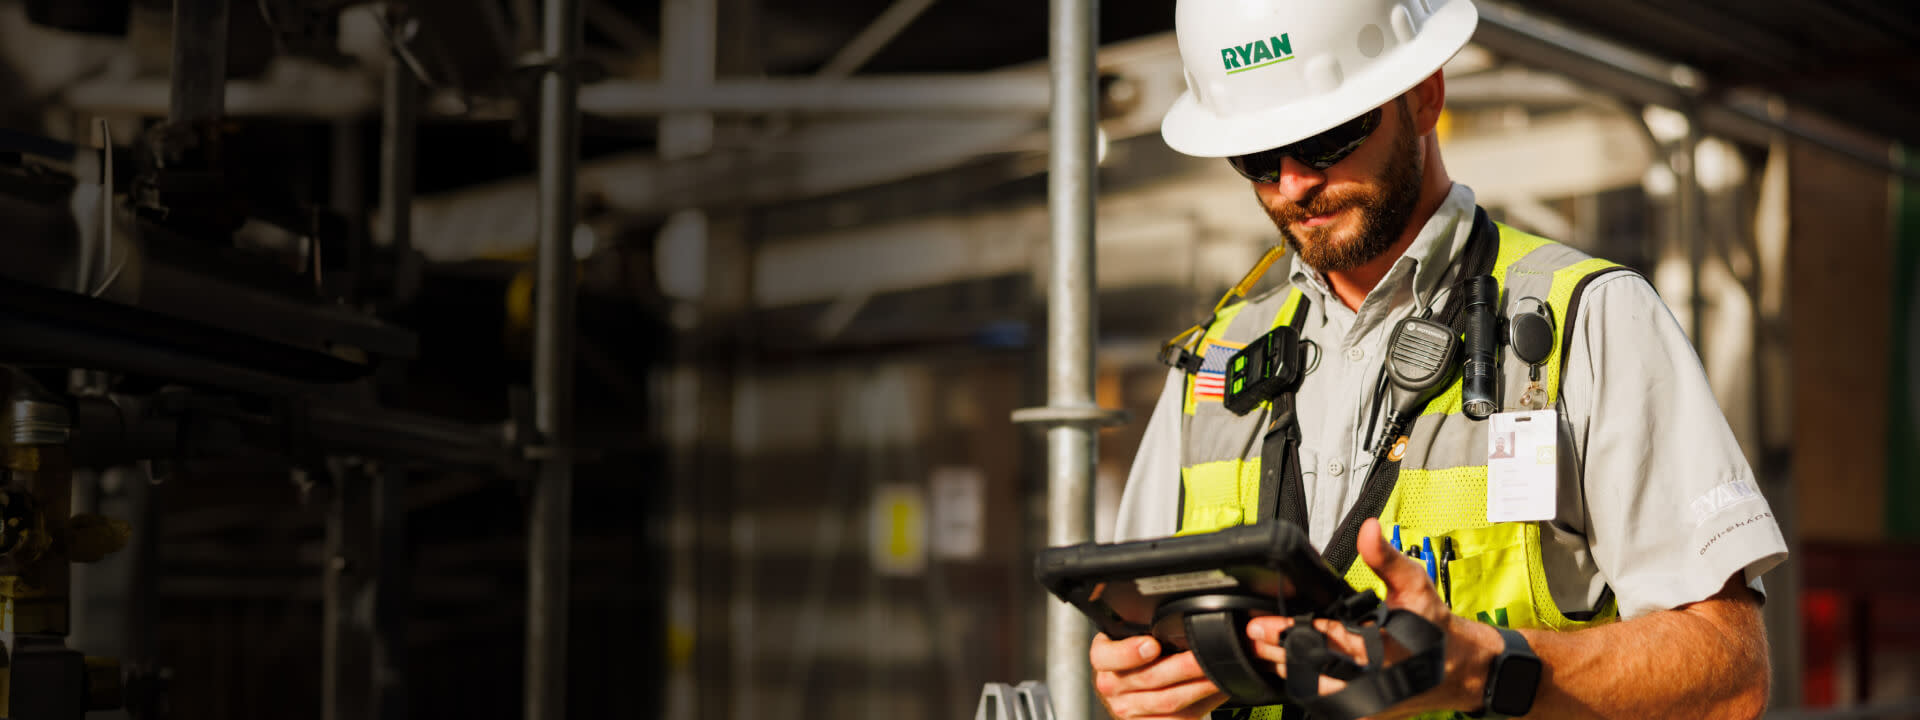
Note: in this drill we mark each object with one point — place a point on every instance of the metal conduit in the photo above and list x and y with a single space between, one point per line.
550 522
399 118
199 74
931 93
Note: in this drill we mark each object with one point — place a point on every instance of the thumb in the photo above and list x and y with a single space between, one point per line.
1401 574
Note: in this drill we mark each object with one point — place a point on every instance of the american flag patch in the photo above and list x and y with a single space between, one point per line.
1211 382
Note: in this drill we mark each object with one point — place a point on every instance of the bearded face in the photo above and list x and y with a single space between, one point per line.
1340 229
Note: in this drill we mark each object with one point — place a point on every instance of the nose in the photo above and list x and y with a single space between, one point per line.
1298 182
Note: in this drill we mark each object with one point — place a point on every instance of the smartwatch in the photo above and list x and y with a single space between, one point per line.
1512 680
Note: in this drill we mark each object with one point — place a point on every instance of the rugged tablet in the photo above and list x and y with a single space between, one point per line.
1151 586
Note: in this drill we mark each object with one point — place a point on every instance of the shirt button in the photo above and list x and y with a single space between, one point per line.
1355 354
1336 469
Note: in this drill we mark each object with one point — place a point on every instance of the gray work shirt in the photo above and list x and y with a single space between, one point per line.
1655 498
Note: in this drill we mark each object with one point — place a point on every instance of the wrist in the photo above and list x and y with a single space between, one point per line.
1513 678
1470 652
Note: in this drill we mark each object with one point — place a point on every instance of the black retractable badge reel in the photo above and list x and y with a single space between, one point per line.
1530 334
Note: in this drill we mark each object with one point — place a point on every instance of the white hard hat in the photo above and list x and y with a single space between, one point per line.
1265 73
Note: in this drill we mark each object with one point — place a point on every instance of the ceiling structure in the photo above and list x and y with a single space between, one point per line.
1842 68
1854 60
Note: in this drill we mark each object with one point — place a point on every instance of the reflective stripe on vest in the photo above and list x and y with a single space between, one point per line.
1497 574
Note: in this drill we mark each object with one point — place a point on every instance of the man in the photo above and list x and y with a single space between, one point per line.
1638 590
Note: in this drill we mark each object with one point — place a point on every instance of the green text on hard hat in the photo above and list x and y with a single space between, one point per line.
1257 54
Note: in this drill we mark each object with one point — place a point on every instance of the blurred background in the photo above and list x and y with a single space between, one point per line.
339 386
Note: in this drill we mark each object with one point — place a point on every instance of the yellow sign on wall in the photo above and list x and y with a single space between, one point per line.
897 528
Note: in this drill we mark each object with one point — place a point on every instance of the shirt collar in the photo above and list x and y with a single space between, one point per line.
1433 251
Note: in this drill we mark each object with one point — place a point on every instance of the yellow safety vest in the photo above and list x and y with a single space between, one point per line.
1496 575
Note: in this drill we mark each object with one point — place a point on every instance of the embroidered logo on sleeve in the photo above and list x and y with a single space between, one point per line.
1721 497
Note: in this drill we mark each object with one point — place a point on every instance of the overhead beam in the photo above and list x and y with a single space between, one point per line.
1740 114
874 37
615 24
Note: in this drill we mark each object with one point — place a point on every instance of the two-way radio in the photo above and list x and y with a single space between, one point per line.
1264 369
1419 360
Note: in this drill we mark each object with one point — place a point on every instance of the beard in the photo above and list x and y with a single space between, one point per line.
1384 211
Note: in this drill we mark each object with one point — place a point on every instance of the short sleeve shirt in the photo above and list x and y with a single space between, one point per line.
1655 498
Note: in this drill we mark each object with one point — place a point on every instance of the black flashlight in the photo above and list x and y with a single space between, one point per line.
1480 379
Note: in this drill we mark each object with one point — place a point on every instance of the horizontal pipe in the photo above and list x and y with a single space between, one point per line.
955 92
907 93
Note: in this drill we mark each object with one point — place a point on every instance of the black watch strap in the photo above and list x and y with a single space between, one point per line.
1512 680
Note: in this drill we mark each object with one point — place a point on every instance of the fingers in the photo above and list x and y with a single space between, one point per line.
1136 683
1135 665
1186 700
1403 575
1266 629
1166 672
1121 655
1265 633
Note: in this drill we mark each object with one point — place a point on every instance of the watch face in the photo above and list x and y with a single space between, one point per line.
1514 685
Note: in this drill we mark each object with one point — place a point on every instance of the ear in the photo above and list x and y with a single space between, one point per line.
1424 102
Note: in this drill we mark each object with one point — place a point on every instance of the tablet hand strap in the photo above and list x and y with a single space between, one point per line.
1219 643
1372 687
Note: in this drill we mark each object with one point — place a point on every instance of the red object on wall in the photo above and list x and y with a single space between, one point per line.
1852 602
1820 638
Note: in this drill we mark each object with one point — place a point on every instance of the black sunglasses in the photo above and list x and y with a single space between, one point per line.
1318 152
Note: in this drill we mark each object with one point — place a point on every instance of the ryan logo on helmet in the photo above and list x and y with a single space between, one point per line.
1257 54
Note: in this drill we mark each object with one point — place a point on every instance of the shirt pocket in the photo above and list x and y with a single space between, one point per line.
1490 578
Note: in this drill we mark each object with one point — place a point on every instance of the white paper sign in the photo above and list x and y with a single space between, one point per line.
1522 451
959 512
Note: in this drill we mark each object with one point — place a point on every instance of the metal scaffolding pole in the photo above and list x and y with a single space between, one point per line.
550 524
1071 416
345 637
392 594
399 117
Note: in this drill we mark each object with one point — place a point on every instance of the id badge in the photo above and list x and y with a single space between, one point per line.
1522 452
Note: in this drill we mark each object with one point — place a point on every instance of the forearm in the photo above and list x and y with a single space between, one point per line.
1704 660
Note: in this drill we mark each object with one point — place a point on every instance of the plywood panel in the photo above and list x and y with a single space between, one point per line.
1839 287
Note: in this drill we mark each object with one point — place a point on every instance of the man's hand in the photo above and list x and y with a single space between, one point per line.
1470 645
1137 684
